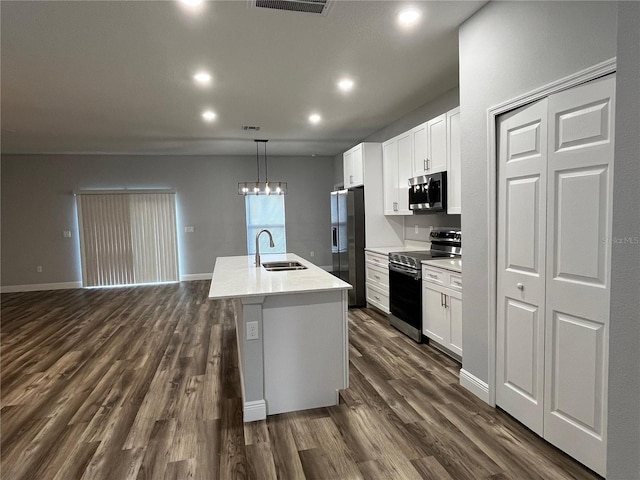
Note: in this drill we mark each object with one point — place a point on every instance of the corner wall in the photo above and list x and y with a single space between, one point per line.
38 204
508 49
623 452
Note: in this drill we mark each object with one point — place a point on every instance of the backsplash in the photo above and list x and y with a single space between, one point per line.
417 227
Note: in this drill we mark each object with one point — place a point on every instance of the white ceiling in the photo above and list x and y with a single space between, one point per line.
116 77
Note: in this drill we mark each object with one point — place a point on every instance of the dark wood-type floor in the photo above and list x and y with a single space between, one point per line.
142 383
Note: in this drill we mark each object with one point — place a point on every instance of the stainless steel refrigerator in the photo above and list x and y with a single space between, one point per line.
347 241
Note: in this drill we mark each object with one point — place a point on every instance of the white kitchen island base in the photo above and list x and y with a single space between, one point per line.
300 358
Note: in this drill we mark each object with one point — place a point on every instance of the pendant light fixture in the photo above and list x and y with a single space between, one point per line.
258 187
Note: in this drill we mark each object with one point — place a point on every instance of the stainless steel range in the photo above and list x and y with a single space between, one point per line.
405 280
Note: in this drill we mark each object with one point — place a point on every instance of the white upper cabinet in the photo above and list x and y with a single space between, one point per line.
420 146
396 171
353 167
454 183
430 146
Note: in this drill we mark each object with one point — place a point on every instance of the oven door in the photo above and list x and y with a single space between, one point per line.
405 297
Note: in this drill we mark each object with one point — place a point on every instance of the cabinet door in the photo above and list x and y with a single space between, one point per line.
454 310
347 168
454 182
419 135
437 144
390 176
357 167
405 157
434 322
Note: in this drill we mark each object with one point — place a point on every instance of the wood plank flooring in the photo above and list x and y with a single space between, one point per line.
143 383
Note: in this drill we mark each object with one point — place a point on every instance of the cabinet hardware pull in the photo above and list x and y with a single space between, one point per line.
520 286
424 164
441 300
430 275
445 302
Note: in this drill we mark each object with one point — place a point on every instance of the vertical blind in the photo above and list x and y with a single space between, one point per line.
127 237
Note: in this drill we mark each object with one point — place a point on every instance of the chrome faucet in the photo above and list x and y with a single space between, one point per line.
271 244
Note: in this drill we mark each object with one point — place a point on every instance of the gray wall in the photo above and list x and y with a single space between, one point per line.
623 461
37 205
508 49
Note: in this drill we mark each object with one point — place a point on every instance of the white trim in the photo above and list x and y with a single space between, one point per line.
596 71
36 287
190 277
124 191
476 386
254 411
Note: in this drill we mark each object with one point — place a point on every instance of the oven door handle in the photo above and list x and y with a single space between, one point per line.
410 272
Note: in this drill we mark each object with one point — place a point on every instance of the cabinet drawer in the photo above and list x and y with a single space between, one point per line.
378 276
433 275
455 281
378 298
377 259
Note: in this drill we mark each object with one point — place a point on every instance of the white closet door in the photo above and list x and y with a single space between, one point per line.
578 269
522 192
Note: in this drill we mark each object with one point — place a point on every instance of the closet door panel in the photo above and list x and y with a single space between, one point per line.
522 180
580 172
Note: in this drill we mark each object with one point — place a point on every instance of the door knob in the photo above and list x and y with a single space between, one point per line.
520 286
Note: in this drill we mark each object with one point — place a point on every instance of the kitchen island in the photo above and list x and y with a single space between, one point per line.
292 334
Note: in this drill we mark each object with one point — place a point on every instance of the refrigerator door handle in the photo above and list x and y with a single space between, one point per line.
334 236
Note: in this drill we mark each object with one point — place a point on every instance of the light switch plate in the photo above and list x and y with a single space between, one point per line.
188 229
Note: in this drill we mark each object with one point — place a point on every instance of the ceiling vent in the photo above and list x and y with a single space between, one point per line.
250 128
320 7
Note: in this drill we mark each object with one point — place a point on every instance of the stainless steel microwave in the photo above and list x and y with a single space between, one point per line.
428 193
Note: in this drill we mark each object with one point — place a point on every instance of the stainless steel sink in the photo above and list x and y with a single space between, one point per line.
283 266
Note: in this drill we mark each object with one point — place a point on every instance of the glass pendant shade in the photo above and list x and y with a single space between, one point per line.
258 187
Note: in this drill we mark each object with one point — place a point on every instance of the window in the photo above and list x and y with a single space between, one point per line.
265 211
127 237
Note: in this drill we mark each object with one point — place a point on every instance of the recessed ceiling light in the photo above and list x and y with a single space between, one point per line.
192 3
409 17
346 84
202 78
209 115
315 118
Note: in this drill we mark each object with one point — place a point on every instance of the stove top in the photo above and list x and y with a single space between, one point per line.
445 242
414 259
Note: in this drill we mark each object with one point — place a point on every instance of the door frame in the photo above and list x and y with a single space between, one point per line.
591 73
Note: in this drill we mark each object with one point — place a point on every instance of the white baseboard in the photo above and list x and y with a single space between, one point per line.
37 287
476 386
254 411
195 276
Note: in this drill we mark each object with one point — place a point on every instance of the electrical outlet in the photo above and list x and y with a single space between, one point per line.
66 234
189 229
312 254
39 269
416 230
252 331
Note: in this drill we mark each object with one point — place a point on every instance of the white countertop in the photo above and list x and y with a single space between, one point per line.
454 264
235 277
406 248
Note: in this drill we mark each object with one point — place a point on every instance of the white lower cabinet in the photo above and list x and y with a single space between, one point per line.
377 274
442 308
